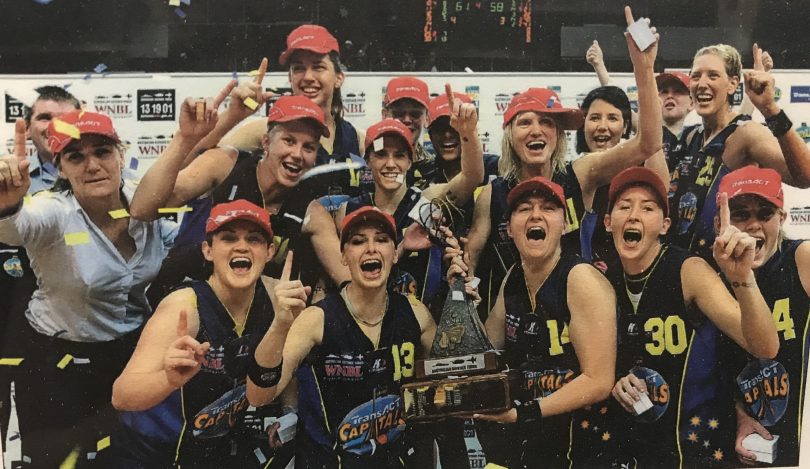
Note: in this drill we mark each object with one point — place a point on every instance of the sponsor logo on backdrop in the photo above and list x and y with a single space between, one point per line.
737 98
14 109
800 94
502 102
277 93
354 103
117 106
147 149
29 147
474 92
632 95
799 215
581 98
486 141
156 105
804 132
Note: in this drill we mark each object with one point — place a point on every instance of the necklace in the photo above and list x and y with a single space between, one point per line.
642 278
532 295
349 306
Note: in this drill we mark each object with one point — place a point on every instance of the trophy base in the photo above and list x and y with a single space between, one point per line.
474 363
459 396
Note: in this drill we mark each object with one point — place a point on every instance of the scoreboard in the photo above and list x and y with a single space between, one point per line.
478 22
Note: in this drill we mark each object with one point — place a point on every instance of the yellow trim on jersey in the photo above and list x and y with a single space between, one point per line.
804 375
320 396
183 429
680 399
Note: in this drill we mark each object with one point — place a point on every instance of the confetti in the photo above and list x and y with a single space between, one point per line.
64 361
174 3
100 68
180 13
27 199
235 75
133 164
81 361
73 239
458 296
251 103
233 192
71 460
43 2
103 443
378 144
186 2
253 73
68 129
120 213
10 361
184 208
260 456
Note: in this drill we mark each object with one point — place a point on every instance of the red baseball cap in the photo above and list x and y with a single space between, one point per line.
638 176
440 107
537 184
406 87
222 214
71 126
764 182
309 37
679 78
365 215
389 126
290 108
545 101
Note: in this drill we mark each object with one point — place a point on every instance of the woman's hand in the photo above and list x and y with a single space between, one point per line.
184 356
629 390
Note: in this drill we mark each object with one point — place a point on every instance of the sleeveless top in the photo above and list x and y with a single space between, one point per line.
218 428
349 406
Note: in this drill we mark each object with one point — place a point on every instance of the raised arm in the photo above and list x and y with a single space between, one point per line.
480 228
747 320
292 334
595 57
167 355
762 62
14 177
597 169
464 119
320 226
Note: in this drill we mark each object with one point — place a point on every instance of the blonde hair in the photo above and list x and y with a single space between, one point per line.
730 56
509 164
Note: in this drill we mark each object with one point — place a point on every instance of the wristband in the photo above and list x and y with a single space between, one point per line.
779 124
529 414
264 377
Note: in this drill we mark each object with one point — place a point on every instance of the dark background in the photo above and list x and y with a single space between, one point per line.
225 35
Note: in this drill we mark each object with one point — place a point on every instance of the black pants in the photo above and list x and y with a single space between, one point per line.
68 410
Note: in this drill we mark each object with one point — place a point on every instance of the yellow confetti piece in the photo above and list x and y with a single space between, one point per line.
103 443
174 3
27 199
73 239
120 213
64 361
68 129
184 208
10 361
71 460
253 73
251 103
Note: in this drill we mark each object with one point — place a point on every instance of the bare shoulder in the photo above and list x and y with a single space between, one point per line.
421 312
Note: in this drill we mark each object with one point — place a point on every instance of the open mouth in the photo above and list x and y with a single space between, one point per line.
631 236
392 175
293 169
704 98
310 91
240 265
451 145
601 139
537 145
760 243
371 267
536 233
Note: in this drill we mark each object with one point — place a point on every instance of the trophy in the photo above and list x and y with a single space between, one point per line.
462 375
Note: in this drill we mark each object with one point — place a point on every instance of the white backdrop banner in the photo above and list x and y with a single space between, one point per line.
144 106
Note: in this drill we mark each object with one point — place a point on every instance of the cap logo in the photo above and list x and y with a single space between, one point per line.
758 182
407 88
299 39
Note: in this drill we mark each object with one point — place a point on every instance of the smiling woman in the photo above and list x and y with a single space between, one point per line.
93 265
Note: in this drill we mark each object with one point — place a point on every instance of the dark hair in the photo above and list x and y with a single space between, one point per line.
51 93
440 162
337 98
209 237
612 95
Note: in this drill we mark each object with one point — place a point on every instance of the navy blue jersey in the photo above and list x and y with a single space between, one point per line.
350 412
772 390
693 189
499 253
537 343
660 341
218 430
673 145
346 144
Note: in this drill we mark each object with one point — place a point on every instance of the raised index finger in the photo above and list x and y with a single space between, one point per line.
19 139
286 272
262 71
757 52
628 16
725 216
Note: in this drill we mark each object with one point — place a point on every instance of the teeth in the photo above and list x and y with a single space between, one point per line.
632 236
537 145
370 265
240 263
293 168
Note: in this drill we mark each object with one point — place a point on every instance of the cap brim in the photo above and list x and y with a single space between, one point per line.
285 56
324 129
115 138
529 188
664 79
368 217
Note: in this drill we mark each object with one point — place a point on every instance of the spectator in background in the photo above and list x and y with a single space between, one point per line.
406 100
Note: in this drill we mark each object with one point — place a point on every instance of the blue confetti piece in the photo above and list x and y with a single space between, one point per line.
43 2
66 85
235 75
180 13
186 2
16 435
100 68
550 103
87 77
133 164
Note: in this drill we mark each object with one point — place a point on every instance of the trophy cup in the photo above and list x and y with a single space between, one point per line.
462 375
